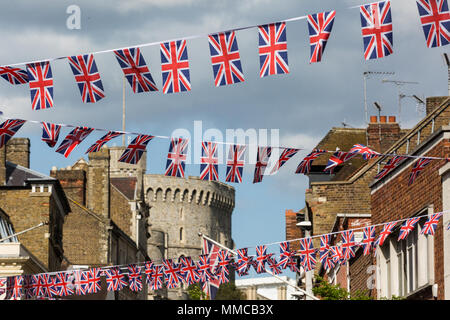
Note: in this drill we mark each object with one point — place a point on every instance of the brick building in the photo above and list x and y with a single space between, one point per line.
27 199
410 268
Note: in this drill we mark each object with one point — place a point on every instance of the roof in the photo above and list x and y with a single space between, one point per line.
344 139
16 175
126 185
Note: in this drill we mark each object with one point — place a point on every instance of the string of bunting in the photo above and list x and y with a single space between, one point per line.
213 265
376 30
209 160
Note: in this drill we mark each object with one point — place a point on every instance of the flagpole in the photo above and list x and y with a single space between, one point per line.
267 271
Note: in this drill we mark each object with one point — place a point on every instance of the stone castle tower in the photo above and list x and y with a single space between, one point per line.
180 208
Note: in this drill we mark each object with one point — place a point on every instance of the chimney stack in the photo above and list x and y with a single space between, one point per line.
19 152
382 132
98 182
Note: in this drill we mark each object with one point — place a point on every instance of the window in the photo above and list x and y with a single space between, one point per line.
181 234
406 265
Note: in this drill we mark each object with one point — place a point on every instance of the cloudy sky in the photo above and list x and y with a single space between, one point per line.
300 106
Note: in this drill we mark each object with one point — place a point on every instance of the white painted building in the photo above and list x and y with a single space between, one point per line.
267 288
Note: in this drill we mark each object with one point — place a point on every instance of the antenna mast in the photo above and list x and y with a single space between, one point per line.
366 75
399 84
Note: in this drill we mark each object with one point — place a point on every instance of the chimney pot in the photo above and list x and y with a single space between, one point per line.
391 119
373 119
382 119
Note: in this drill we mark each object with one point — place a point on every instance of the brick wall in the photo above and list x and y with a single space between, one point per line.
292 231
73 183
120 212
18 151
2 165
396 200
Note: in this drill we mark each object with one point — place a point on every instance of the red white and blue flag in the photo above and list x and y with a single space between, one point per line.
210 250
223 261
435 20
204 268
225 59
14 75
134 277
172 273
235 163
135 149
324 247
419 165
407 227
40 80
48 289
348 244
50 133
243 262
87 77
287 154
115 279
366 152
261 258
273 55
14 287
262 160
64 283
209 161
189 270
148 270
338 158
287 257
376 25
135 70
73 139
429 228
90 280
368 239
336 255
157 277
319 26
305 165
175 67
387 230
307 254
274 265
8 129
176 157
392 163
100 142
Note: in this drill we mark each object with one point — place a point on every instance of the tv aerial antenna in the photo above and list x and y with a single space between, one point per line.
399 84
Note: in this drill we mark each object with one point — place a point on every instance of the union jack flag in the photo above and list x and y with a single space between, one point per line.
115 279
3 282
435 19
328 263
211 250
225 58
172 273
14 75
175 67
348 244
40 80
261 258
392 163
209 162
189 270
64 283
100 142
27 287
74 138
284 157
274 265
134 277
243 262
387 230
319 26
14 287
87 77
376 25
176 157
148 269
338 158
407 227
87 281
273 55
336 255
157 277
287 257
135 70
324 247
307 254
419 165
135 149
48 289
8 129
366 152
235 163
261 163
204 268
222 272
50 133
430 225
305 165
368 239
